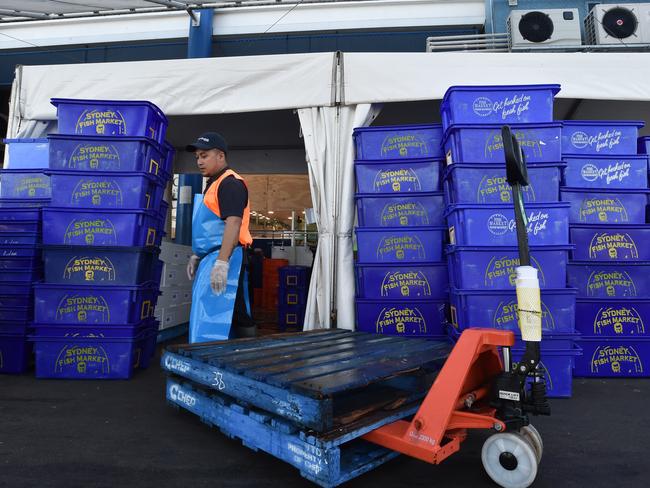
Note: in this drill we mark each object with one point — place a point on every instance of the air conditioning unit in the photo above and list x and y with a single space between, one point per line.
548 27
618 24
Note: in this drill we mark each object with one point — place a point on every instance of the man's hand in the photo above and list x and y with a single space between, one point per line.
219 276
192 264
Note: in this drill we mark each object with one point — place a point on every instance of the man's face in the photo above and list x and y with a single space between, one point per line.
210 161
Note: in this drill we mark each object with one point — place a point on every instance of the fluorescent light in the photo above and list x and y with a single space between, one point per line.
270 212
290 218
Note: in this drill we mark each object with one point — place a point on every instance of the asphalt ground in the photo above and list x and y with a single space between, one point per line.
122 433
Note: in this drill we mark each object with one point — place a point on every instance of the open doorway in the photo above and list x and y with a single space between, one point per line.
265 148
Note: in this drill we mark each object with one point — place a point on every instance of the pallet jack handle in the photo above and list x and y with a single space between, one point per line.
517 176
528 300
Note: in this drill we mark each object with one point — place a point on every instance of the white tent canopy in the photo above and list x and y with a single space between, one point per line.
395 77
334 92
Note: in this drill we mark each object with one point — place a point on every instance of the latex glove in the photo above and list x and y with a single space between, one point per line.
192 264
219 276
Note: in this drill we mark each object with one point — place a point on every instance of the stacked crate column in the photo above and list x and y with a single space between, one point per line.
606 184
401 279
483 254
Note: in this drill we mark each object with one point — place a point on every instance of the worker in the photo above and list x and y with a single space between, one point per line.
220 305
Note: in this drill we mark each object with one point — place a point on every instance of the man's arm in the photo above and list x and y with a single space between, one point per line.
230 237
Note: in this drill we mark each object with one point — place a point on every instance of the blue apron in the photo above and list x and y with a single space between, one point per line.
211 315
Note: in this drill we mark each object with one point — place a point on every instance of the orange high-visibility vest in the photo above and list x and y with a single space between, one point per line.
211 200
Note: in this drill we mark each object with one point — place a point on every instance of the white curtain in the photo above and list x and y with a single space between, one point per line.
327 132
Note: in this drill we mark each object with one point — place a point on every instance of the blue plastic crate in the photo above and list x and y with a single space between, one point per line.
600 136
24 183
514 104
70 226
13 226
12 264
605 206
411 317
643 145
493 267
27 239
18 251
498 309
494 224
16 314
15 353
8 204
398 142
486 183
16 300
394 176
95 331
85 357
606 171
168 153
93 304
293 297
482 143
18 288
84 189
16 327
21 274
613 317
99 265
19 213
110 118
557 365
614 357
26 153
291 317
398 210
147 345
558 351
157 271
105 153
399 245
294 276
407 280
610 279
615 242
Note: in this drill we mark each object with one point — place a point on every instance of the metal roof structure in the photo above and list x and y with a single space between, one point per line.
23 10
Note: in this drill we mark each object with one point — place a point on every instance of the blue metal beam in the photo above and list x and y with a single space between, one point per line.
199 45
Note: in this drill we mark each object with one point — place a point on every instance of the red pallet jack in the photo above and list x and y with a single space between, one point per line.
478 388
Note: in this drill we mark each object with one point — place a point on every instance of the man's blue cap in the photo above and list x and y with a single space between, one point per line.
209 140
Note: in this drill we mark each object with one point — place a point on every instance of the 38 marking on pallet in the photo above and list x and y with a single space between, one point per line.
218 380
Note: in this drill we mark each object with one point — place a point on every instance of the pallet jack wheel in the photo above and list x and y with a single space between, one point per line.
533 436
510 460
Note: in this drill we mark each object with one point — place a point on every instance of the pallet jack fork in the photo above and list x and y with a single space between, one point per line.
458 400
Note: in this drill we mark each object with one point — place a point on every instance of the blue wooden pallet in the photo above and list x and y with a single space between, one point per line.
327 460
318 379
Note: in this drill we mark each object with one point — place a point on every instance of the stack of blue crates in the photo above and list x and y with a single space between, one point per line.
483 252
108 169
24 190
606 182
292 296
401 277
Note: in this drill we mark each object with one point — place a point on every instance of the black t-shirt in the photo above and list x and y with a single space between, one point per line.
232 195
